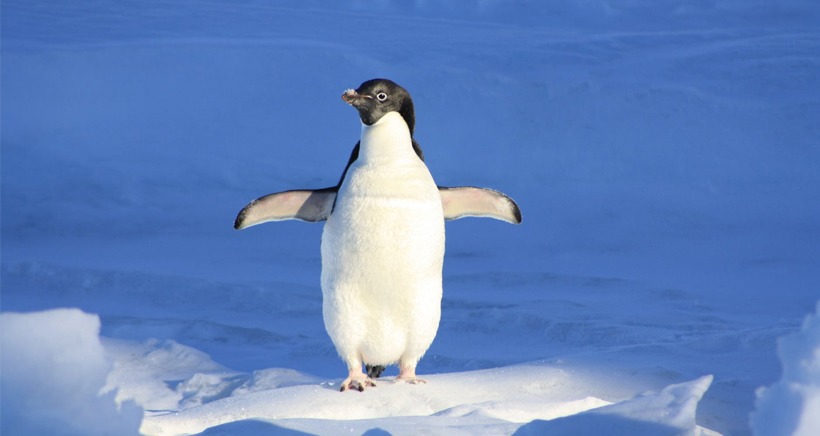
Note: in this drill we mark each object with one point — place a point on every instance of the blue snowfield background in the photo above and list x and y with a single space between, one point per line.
665 156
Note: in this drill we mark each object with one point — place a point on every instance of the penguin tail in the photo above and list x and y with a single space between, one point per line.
374 371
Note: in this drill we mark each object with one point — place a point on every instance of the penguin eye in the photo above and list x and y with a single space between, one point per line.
381 96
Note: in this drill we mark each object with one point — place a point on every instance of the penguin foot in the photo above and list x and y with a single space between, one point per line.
411 380
408 375
357 382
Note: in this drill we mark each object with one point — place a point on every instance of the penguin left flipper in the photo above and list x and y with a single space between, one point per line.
464 201
304 205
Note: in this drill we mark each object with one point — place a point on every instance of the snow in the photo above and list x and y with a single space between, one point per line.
669 412
54 371
664 155
790 406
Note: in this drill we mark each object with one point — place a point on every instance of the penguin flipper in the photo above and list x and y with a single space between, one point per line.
464 201
305 205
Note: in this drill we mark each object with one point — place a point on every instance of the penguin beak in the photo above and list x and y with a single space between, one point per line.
353 98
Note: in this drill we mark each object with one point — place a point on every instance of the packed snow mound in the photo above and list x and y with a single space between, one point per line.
168 376
792 405
54 371
669 412
183 391
493 401
149 373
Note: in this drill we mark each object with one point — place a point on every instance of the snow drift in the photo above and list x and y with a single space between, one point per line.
54 369
792 405
58 379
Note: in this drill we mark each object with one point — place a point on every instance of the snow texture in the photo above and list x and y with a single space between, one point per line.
664 155
792 405
54 372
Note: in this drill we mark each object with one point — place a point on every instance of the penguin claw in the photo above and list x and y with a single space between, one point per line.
357 383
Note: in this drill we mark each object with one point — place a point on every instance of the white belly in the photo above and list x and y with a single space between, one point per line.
382 256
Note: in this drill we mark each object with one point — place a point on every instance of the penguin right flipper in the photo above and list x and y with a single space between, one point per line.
464 201
305 205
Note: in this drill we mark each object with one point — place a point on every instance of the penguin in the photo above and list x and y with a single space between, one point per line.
382 244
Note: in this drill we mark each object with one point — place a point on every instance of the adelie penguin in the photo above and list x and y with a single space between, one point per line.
383 240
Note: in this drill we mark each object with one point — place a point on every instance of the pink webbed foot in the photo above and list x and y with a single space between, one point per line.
412 381
408 375
357 381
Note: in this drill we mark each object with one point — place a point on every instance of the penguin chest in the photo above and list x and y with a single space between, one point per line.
387 228
382 255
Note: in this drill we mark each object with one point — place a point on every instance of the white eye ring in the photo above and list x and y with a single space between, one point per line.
381 96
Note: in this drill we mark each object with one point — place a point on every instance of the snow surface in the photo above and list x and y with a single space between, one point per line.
664 155
790 406
54 369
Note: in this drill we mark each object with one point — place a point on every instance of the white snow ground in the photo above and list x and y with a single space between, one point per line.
664 155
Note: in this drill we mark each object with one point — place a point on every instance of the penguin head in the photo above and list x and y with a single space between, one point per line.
378 97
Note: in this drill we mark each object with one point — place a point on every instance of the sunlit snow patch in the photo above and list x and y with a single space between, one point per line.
494 401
